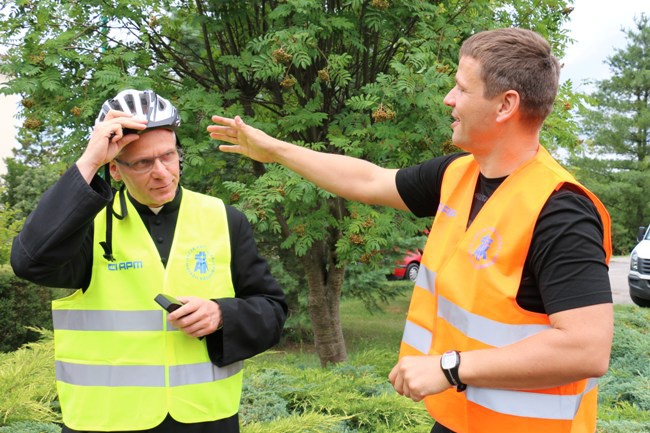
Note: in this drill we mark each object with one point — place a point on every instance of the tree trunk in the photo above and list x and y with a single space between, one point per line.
324 282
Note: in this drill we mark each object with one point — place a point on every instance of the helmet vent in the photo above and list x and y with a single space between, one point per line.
130 103
115 105
144 102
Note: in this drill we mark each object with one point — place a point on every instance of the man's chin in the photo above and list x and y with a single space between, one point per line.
161 200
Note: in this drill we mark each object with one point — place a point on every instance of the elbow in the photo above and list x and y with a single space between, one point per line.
596 361
602 354
23 266
18 265
21 269
600 367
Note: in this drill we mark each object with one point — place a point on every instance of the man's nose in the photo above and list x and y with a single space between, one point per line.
158 166
450 99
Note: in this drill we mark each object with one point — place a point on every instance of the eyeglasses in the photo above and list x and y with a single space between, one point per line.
145 165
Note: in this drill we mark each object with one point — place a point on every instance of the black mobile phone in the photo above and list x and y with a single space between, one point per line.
169 303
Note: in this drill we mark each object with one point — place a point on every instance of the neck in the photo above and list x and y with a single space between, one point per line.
494 166
505 155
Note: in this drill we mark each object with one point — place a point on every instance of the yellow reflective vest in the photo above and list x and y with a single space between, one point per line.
119 364
465 299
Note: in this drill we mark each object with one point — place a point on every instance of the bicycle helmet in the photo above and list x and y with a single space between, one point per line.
144 104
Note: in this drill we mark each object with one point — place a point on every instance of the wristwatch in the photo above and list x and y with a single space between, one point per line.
449 363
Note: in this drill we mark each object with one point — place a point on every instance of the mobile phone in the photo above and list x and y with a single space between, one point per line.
169 303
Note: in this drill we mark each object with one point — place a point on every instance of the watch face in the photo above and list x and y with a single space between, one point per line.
449 360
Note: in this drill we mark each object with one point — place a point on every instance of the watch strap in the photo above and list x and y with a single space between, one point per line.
448 375
452 374
460 386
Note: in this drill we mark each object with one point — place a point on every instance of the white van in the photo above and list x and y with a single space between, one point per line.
639 276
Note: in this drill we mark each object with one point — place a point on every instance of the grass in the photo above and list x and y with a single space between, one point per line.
365 329
369 332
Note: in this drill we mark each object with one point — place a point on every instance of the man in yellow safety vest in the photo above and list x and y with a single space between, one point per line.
122 362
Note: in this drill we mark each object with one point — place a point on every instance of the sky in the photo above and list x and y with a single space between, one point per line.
7 126
595 26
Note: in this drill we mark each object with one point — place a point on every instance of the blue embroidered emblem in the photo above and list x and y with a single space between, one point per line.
481 252
484 248
199 263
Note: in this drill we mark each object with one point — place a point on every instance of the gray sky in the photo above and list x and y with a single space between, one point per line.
596 28
7 126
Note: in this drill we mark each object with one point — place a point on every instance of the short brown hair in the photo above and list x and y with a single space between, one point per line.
520 60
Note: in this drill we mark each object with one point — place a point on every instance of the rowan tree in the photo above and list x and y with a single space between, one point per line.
364 78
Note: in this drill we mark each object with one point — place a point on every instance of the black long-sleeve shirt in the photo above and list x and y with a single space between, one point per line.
55 249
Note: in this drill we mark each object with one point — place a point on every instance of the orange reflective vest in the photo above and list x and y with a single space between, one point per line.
465 299
119 364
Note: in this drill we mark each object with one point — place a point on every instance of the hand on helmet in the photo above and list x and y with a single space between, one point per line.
107 140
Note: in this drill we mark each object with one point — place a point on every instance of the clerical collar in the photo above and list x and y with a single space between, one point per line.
170 207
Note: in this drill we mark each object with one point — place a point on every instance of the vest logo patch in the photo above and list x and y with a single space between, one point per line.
199 263
446 210
125 266
484 248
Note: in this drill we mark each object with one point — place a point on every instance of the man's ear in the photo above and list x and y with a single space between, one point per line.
115 173
509 105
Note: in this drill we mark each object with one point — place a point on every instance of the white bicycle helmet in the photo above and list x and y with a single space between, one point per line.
144 104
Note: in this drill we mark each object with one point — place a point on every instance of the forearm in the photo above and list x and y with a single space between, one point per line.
553 357
352 178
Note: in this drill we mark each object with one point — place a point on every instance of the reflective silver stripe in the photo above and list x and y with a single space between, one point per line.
417 337
142 375
426 279
529 404
485 330
110 375
190 374
107 320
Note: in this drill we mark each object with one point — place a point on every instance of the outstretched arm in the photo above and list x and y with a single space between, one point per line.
351 178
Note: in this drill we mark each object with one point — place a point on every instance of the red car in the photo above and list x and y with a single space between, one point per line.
408 267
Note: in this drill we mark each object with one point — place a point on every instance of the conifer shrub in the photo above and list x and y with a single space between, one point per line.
304 423
23 305
30 427
27 381
624 392
353 398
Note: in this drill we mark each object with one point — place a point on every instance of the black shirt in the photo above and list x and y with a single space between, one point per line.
565 266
